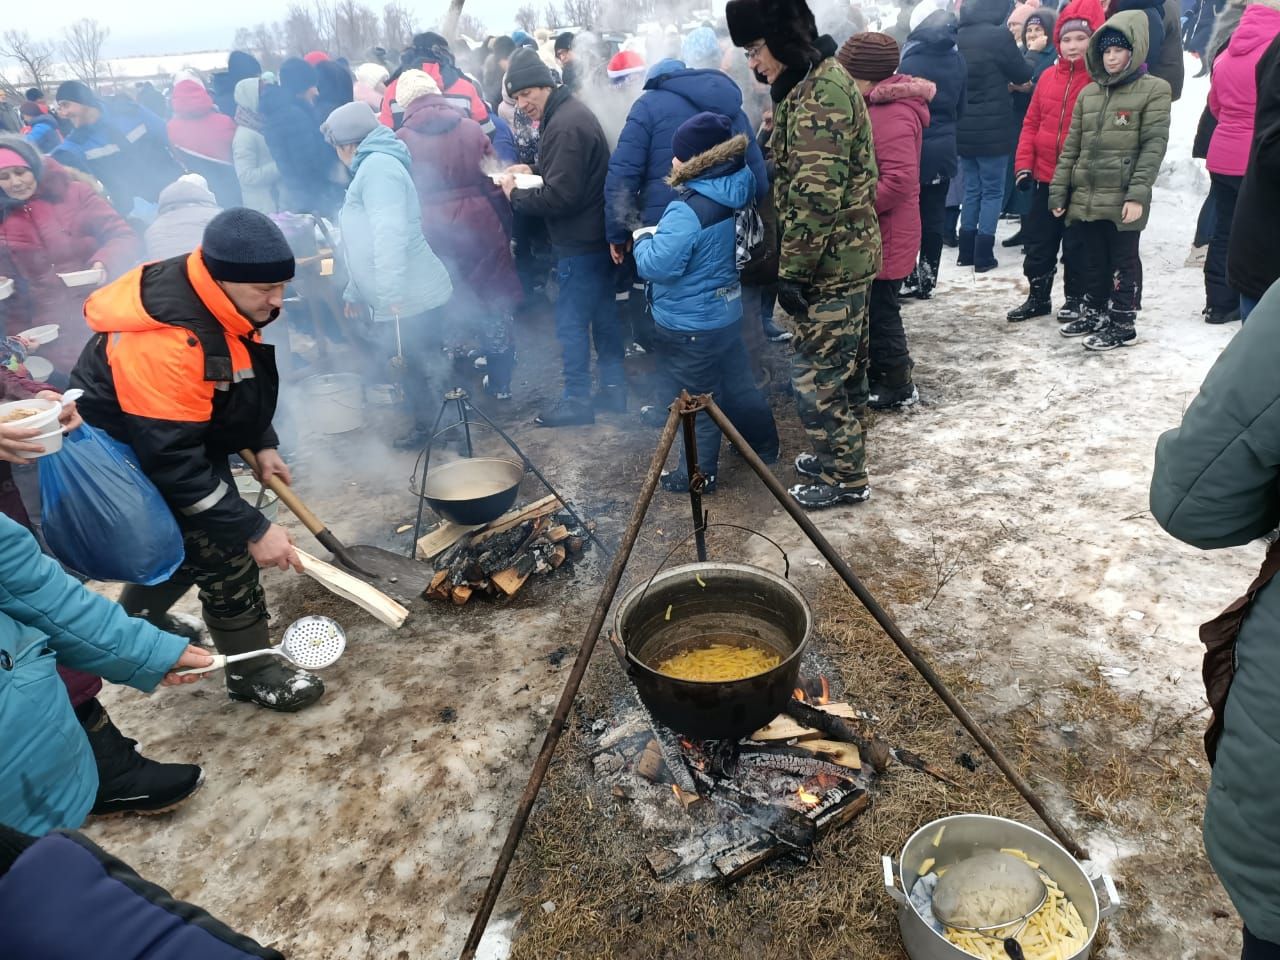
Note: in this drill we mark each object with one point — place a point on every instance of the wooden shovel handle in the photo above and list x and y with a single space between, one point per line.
289 498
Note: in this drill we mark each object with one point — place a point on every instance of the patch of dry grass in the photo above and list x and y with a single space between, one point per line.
1124 767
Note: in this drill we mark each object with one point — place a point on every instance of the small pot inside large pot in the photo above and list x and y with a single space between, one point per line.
690 606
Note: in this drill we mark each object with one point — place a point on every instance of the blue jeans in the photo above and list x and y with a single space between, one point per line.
585 312
715 362
1246 306
983 193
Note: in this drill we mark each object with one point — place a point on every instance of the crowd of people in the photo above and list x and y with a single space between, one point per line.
693 197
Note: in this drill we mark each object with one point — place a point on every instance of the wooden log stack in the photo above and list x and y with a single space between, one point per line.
498 559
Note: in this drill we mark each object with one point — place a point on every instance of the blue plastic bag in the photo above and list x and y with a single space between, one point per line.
100 514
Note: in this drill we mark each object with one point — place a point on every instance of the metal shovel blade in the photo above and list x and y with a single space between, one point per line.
396 575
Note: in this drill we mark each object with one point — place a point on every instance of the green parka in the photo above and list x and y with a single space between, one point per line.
1216 485
1119 131
825 186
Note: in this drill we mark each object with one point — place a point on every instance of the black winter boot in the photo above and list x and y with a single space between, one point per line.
894 390
127 781
497 379
911 285
1013 241
1039 302
950 218
1118 331
984 253
967 241
612 398
819 496
1073 309
265 681
928 273
569 412
152 605
1091 320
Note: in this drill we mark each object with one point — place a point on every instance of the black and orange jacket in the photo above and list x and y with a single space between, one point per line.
179 374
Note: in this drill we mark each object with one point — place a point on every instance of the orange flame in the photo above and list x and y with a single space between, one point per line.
807 798
798 693
825 695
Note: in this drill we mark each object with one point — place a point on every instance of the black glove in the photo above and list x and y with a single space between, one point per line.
792 299
1025 181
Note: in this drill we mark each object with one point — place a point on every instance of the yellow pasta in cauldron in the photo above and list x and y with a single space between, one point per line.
719 662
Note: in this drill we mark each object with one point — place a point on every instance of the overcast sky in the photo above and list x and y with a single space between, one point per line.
162 26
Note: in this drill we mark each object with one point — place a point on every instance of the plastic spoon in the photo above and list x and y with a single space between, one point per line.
71 396
311 643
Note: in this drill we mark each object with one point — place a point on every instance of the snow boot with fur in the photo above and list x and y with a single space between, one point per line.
266 681
127 781
966 241
1039 302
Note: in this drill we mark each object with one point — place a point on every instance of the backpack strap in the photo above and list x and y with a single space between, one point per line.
708 212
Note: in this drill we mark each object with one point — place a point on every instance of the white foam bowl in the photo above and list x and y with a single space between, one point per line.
6 288
40 335
524 181
83 278
38 368
45 420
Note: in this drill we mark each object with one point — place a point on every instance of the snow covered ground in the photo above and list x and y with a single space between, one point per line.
365 826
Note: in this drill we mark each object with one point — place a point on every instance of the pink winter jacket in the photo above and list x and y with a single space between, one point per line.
1233 94
899 108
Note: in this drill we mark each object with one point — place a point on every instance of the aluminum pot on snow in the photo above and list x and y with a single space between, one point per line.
962 837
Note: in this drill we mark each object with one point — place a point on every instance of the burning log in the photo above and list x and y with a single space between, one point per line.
877 752
841 754
497 560
783 727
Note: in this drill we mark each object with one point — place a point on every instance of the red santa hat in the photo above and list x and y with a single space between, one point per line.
625 64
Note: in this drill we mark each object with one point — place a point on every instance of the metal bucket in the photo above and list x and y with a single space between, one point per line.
961 837
684 604
250 490
334 402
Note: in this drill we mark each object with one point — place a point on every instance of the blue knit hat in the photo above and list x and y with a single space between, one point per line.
699 134
244 246
297 76
1109 37
701 48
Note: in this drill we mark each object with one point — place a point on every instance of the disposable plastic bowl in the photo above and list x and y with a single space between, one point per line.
6 288
83 278
44 420
52 443
38 368
524 181
38 335
250 489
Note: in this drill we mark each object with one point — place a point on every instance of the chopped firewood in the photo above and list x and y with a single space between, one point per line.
557 556
510 581
539 508
650 764
404 528
575 545
783 727
877 752
441 538
437 589
841 754
461 595
557 533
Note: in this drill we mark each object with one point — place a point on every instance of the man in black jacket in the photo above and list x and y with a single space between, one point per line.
178 371
1253 258
573 158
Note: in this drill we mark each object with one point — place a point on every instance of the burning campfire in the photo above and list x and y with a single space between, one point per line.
772 794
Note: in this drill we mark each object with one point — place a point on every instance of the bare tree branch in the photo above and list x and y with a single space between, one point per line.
398 27
34 56
82 48
527 18
450 28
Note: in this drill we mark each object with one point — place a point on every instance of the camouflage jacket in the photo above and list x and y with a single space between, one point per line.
825 186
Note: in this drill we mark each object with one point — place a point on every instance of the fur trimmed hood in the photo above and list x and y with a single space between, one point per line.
733 149
900 86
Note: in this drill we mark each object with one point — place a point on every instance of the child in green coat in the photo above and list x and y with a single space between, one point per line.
1105 173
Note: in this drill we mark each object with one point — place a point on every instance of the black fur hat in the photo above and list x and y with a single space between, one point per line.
786 26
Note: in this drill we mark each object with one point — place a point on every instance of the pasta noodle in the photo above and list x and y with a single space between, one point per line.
718 661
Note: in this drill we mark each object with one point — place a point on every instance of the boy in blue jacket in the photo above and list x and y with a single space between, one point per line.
690 262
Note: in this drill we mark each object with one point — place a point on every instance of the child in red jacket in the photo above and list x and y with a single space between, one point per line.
1044 131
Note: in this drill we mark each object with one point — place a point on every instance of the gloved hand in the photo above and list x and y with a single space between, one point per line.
1024 181
792 299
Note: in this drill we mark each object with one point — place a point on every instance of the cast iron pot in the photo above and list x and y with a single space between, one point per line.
732 598
474 491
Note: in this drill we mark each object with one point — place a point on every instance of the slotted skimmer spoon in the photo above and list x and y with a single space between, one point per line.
989 894
311 643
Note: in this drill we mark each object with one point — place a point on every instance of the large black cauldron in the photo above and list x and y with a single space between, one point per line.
712 599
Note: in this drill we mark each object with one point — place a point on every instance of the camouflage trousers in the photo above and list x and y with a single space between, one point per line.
226 576
829 375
